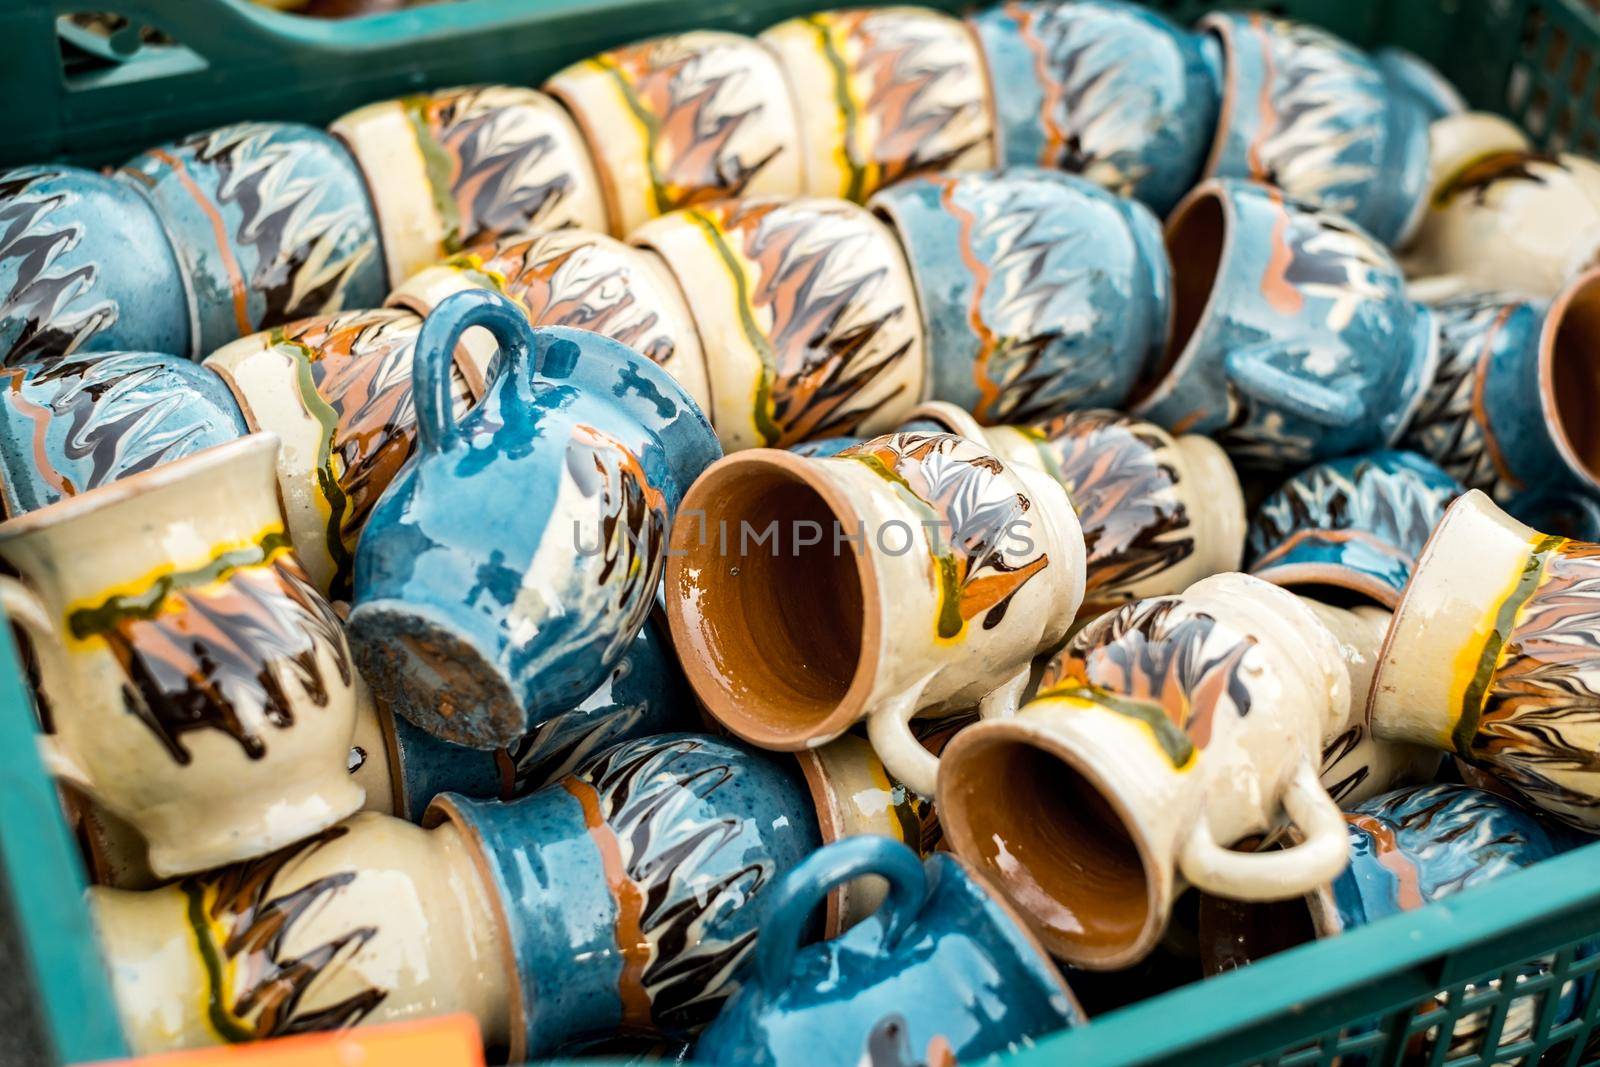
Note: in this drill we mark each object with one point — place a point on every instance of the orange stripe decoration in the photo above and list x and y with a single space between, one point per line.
219 231
1275 285
1269 113
39 417
1299 537
988 392
1387 851
1055 137
631 942
447 1041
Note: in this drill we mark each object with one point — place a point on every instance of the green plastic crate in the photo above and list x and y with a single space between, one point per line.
1388 993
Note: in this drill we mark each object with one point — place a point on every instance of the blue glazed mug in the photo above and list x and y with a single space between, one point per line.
506 569
941 973
1293 339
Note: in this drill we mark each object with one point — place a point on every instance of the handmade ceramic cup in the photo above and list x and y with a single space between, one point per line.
337 390
1492 656
1355 524
84 267
1512 405
89 418
1105 89
574 278
454 168
1313 115
632 891
1293 339
1166 732
271 223
1404 69
684 119
192 680
914 983
888 93
807 312
1158 513
1040 292
509 565
913 574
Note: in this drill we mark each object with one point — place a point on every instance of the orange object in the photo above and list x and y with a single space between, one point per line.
448 1041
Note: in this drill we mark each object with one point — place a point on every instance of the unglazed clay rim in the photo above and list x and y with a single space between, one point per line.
991 101
831 827
1290 575
962 842
850 707
354 162
1547 352
391 748
1220 26
610 200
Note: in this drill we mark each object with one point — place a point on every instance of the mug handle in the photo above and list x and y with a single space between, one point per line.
1254 371
434 356
805 887
904 757
23 607
1291 872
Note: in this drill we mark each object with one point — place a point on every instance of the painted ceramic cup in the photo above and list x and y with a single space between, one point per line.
633 890
1404 69
888 92
373 920
807 312
1511 407
913 574
1040 292
271 223
1306 112
914 983
1293 339
1356 524
84 266
572 278
1492 656
508 566
192 679
90 418
1158 513
458 167
682 120
337 391
1105 89
1164 733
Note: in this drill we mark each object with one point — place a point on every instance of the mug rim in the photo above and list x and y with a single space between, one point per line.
1586 285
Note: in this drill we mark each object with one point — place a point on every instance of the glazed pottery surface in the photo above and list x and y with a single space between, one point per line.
942 973
507 568
457 167
632 890
807 312
1164 733
89 418
1492 656
373 920
271 223
1314 116
192 679
337 390
1356 524
1293 338
911 574
1404 69
1040 292
1105 89
84 266
573 278
886 93
682 120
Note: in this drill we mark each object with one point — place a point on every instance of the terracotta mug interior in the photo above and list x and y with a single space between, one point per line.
1196 235
1569 378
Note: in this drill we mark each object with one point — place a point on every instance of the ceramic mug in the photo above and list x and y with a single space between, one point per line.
912 574
84 267
574 278
684 119
271 223
508 566
89 418
1164 733
889 92
1492 656
1356 524
913 983
1313 115
807 312
1040 292
453 168
1511 406
337 390
192 679
1105 89
1293 338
